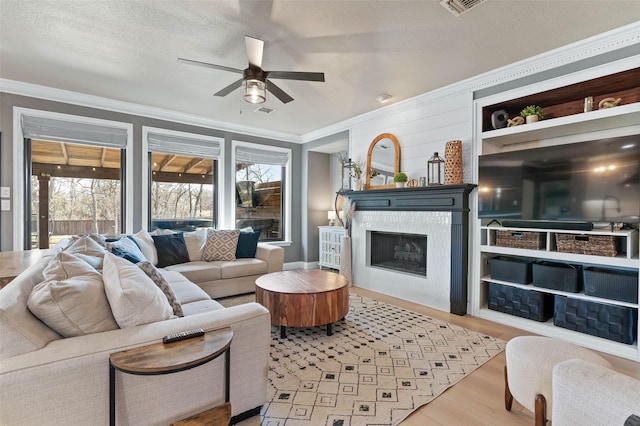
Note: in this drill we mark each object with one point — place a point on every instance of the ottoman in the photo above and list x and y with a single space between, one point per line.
528 373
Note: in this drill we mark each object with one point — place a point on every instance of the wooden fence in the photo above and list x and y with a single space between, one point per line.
75 227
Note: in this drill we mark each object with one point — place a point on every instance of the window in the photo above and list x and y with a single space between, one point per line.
75 189
72 179
183 180
261 184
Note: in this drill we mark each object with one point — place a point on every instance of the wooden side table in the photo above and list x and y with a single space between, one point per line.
161 358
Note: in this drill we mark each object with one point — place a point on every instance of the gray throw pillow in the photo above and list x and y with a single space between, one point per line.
156 276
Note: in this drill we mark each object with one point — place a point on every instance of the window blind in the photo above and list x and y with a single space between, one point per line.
69 131
181 145
245 154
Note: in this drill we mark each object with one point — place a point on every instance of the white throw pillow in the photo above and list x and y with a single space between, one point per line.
195 243
148 249
87 249
66 265
133 296
73 307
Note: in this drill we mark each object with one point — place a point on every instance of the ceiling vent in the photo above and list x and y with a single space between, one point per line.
458 7
265 110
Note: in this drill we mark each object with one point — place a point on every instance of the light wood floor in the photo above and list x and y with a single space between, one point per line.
478 399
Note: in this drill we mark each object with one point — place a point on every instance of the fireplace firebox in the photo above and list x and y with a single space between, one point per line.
399 252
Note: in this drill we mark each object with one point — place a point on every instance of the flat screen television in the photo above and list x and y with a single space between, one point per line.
595 181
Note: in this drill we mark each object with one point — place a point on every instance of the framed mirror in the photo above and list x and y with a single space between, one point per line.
383 161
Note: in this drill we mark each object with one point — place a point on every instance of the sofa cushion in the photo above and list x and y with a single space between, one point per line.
185 290
198 271
74 306
195 243
65 265
133 297
145 242
201 307
155 275
126 248
171 249
221 245
247 245
22 331
243 267
87 249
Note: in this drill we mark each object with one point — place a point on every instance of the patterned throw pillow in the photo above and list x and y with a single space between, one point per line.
221 245
155 275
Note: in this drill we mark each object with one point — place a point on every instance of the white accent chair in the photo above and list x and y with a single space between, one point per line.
529 370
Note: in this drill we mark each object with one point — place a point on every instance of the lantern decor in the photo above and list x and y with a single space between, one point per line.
346 175
435 170
453 163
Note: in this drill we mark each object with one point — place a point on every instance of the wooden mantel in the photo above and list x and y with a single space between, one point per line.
442 198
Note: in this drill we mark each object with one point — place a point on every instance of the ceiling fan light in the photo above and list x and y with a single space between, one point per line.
255 91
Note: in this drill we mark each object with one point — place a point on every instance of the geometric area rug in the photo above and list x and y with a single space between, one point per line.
381 364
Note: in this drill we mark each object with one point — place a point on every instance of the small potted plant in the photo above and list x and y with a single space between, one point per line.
532 113
400 179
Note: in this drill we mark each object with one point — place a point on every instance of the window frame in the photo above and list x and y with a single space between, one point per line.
219 214
19 159
286 204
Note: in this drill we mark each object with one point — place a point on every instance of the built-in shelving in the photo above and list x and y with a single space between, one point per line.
565 122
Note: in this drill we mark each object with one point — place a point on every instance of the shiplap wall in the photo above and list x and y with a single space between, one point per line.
422 128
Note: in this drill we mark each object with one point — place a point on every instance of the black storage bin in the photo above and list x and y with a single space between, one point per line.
614 284
617 323
511 269
520 302
557 276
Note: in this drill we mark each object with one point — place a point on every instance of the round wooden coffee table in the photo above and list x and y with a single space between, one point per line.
303 298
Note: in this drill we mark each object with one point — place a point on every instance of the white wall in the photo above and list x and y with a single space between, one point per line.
422 128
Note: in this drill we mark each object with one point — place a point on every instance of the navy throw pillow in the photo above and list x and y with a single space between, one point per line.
127 249
247 244
171 249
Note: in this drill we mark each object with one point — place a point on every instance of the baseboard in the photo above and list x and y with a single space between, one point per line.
244 416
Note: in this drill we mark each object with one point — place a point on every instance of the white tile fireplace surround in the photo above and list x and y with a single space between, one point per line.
432 290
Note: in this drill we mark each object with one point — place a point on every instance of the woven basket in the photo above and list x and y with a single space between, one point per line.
453 163
597 245
520 239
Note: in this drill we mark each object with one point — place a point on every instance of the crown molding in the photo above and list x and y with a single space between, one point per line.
612 40
91 101
618 38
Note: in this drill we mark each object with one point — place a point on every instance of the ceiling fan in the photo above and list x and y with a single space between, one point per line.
257 81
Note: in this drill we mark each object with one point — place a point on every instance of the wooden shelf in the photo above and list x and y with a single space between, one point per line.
607 119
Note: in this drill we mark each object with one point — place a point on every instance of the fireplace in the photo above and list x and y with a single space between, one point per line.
439 212
399 252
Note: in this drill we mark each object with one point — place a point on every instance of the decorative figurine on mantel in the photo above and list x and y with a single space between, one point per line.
453 163
435 170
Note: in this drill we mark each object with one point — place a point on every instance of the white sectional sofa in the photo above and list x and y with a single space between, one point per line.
47 378
218 278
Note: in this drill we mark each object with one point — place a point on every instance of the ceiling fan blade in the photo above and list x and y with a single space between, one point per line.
255 47
208 65
230 88
278 92
295 75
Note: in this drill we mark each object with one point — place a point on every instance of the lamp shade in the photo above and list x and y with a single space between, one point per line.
331 215
255 91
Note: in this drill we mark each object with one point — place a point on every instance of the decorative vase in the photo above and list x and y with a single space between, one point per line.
400 184
453 163
531 118
358 184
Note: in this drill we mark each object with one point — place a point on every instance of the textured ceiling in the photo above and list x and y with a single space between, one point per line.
127 49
